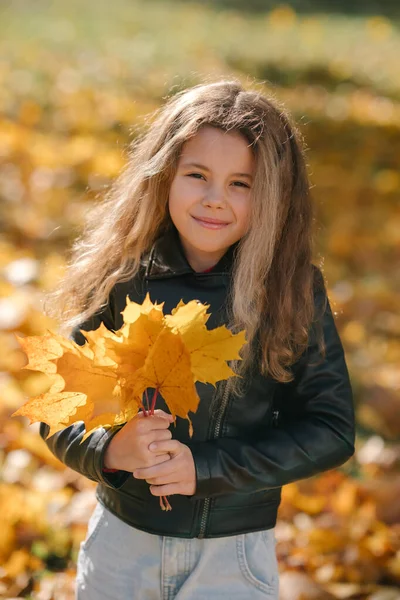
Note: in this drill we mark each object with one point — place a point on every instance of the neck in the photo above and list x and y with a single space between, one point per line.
201 261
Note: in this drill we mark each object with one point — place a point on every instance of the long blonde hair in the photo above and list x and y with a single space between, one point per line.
273 281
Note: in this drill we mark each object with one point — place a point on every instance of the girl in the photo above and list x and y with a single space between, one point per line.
213 205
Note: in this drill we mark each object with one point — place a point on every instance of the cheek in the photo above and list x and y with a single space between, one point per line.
180 196
242 212
178 207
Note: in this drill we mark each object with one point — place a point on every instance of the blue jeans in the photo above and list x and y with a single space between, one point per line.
119 562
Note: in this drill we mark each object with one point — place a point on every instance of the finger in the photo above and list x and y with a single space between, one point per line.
161 458
161 413
159 435
157 413
154 436
153 422
156 460
165 479
167 467
162 446
166 490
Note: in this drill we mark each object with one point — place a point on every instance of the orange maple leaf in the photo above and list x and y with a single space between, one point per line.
78 390
102 382
167 368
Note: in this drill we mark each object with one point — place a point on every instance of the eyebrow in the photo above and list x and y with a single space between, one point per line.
199 166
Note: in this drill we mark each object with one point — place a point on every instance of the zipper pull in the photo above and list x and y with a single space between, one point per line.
275 418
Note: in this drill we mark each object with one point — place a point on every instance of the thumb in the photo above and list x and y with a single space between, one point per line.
161 413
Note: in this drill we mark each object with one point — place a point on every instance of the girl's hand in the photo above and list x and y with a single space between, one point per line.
129 448
175 476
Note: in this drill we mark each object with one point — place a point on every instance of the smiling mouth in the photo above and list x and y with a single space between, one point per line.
211 223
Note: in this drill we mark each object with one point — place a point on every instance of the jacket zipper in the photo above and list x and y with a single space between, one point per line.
207 501
206 506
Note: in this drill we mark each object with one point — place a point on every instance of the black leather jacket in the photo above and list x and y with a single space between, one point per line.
246 450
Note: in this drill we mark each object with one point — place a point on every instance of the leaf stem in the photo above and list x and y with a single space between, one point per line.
146 413
153 401
165 505
147 400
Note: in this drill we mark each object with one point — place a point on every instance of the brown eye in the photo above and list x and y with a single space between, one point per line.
242 184
191 174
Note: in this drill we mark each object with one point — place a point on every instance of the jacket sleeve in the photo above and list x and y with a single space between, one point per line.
317 435
87 458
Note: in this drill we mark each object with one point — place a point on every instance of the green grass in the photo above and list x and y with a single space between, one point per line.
156 42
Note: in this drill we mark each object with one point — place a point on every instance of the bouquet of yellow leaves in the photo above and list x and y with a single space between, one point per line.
103 382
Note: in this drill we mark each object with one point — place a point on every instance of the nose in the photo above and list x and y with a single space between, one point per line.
215 197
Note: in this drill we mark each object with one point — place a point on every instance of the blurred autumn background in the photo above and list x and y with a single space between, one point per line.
78 80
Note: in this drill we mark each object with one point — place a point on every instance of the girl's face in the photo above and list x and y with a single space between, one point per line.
213 181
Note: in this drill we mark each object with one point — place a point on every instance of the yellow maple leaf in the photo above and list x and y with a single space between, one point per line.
133 310
167 368
40 351
97 340
143 323
52 408
209 349
78 390
102 383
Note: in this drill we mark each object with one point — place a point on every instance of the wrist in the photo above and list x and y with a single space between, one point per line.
109 458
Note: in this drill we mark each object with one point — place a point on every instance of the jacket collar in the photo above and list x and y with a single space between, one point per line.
167 258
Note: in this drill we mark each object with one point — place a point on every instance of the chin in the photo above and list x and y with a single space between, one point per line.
209 247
